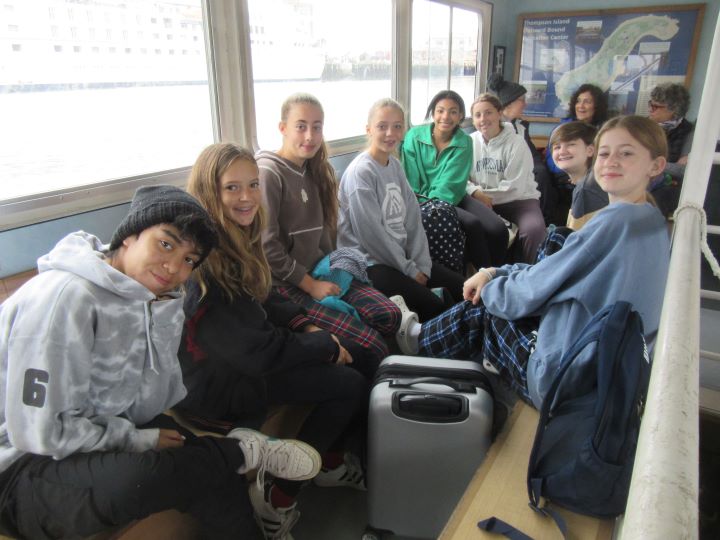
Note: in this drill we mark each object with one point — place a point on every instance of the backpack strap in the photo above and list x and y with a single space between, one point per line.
545 510
498 526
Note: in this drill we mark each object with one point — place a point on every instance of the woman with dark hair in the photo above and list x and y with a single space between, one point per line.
588 104
437 158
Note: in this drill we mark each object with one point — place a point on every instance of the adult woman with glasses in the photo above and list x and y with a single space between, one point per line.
668 106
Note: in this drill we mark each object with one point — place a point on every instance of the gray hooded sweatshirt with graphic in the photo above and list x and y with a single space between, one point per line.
86 354
380 216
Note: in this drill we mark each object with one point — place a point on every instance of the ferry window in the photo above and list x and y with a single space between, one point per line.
74 120
464 54
445 42
430 25
341 52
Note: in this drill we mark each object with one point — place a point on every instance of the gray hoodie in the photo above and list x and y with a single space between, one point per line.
380 216
502 167
86 354
296 237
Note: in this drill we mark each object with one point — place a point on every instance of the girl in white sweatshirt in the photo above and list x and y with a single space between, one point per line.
502 174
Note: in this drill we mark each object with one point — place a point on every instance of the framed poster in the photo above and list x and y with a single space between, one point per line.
626 52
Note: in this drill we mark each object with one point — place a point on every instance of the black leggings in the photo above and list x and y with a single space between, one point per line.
85 493
487 234
419 298
339 394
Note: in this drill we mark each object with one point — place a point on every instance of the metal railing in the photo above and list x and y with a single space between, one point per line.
663 500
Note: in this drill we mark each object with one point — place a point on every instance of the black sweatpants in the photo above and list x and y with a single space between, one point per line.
82 494
487 234
339 395
419 298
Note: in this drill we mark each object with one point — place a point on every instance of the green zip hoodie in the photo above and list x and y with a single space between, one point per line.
442 176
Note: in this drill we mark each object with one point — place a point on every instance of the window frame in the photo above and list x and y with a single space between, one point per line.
40 207
485 11
231 94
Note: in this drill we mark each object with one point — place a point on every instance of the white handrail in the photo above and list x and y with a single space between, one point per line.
710 295
663 500
663 495
710 355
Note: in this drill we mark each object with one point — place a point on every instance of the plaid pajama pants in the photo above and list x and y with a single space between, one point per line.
469 332
379 316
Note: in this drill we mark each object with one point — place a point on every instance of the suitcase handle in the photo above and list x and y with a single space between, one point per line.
437 408
462 387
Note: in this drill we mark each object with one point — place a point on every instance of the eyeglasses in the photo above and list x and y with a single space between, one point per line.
656 106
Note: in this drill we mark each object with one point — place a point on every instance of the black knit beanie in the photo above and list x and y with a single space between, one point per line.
506 91
153 205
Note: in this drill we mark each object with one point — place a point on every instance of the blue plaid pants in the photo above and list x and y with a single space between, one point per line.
469 332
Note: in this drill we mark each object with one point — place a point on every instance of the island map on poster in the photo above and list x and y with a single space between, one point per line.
625 54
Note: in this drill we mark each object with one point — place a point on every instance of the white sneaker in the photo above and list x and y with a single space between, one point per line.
283 458
402 336
275 523
349 474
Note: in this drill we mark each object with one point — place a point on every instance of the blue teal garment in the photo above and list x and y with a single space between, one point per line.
341 267
622 253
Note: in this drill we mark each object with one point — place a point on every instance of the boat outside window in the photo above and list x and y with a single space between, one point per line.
445 41
341 52
75 112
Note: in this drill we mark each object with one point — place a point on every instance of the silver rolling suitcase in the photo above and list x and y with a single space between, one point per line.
430 423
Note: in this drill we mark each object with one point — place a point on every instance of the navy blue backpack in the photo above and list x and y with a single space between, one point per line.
582 457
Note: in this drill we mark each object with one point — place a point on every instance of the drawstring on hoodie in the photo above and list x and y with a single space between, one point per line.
148 318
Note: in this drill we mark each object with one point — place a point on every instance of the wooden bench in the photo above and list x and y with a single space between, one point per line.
499 489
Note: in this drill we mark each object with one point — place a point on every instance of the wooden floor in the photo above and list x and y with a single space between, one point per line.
499 489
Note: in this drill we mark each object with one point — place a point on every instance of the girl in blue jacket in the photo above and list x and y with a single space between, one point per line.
520 319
